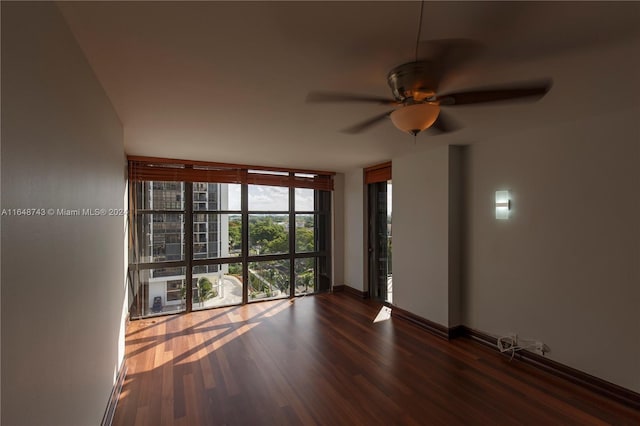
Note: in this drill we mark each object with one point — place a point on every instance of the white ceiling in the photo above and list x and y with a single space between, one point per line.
227 82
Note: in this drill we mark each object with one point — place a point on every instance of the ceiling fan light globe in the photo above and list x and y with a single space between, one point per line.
413 119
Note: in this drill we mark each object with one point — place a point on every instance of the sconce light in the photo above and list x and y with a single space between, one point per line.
503 204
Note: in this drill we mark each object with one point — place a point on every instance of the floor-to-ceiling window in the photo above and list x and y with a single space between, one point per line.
205 236
380 247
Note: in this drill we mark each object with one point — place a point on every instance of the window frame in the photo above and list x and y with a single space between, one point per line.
322 230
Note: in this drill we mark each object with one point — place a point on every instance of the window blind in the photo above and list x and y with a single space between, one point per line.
164 169
378 173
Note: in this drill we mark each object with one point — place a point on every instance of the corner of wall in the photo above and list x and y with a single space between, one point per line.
354 259
456 233
421 233
338 251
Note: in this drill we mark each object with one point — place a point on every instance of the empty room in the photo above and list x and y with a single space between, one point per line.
319 213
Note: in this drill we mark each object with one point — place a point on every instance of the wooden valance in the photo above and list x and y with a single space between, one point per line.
378 173
164 169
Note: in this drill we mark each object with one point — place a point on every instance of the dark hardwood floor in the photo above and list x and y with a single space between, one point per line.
322 360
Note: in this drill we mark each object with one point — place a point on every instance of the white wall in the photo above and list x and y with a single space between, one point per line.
354 237
158 287
0 282
564 269
63 292
420 232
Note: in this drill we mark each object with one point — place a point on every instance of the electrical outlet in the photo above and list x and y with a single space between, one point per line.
540 348
514 338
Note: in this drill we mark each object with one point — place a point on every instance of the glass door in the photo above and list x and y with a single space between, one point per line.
380 248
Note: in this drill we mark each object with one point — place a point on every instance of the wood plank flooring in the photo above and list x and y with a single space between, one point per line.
321 360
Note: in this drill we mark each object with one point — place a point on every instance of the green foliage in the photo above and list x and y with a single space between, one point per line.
235 234
278 245
305 274
259 286
306 278
267 277
304 240
202 291
268 235
205 289
235 269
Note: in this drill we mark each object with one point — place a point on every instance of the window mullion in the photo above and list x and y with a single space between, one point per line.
244 206
292 240
188 243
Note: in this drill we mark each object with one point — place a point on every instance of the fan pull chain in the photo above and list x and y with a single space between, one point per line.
419 28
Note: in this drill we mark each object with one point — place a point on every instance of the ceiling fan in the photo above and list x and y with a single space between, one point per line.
415 85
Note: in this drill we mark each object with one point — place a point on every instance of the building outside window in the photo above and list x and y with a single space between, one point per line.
165 235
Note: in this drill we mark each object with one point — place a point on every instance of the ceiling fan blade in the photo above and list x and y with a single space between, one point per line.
447 55
533 91
443 124
361 127
347 97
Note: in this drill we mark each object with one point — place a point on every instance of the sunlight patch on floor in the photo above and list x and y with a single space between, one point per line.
383 315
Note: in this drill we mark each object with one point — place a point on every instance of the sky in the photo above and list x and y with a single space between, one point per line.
271 198
263 197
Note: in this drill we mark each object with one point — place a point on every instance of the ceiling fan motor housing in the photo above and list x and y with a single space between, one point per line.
412 82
